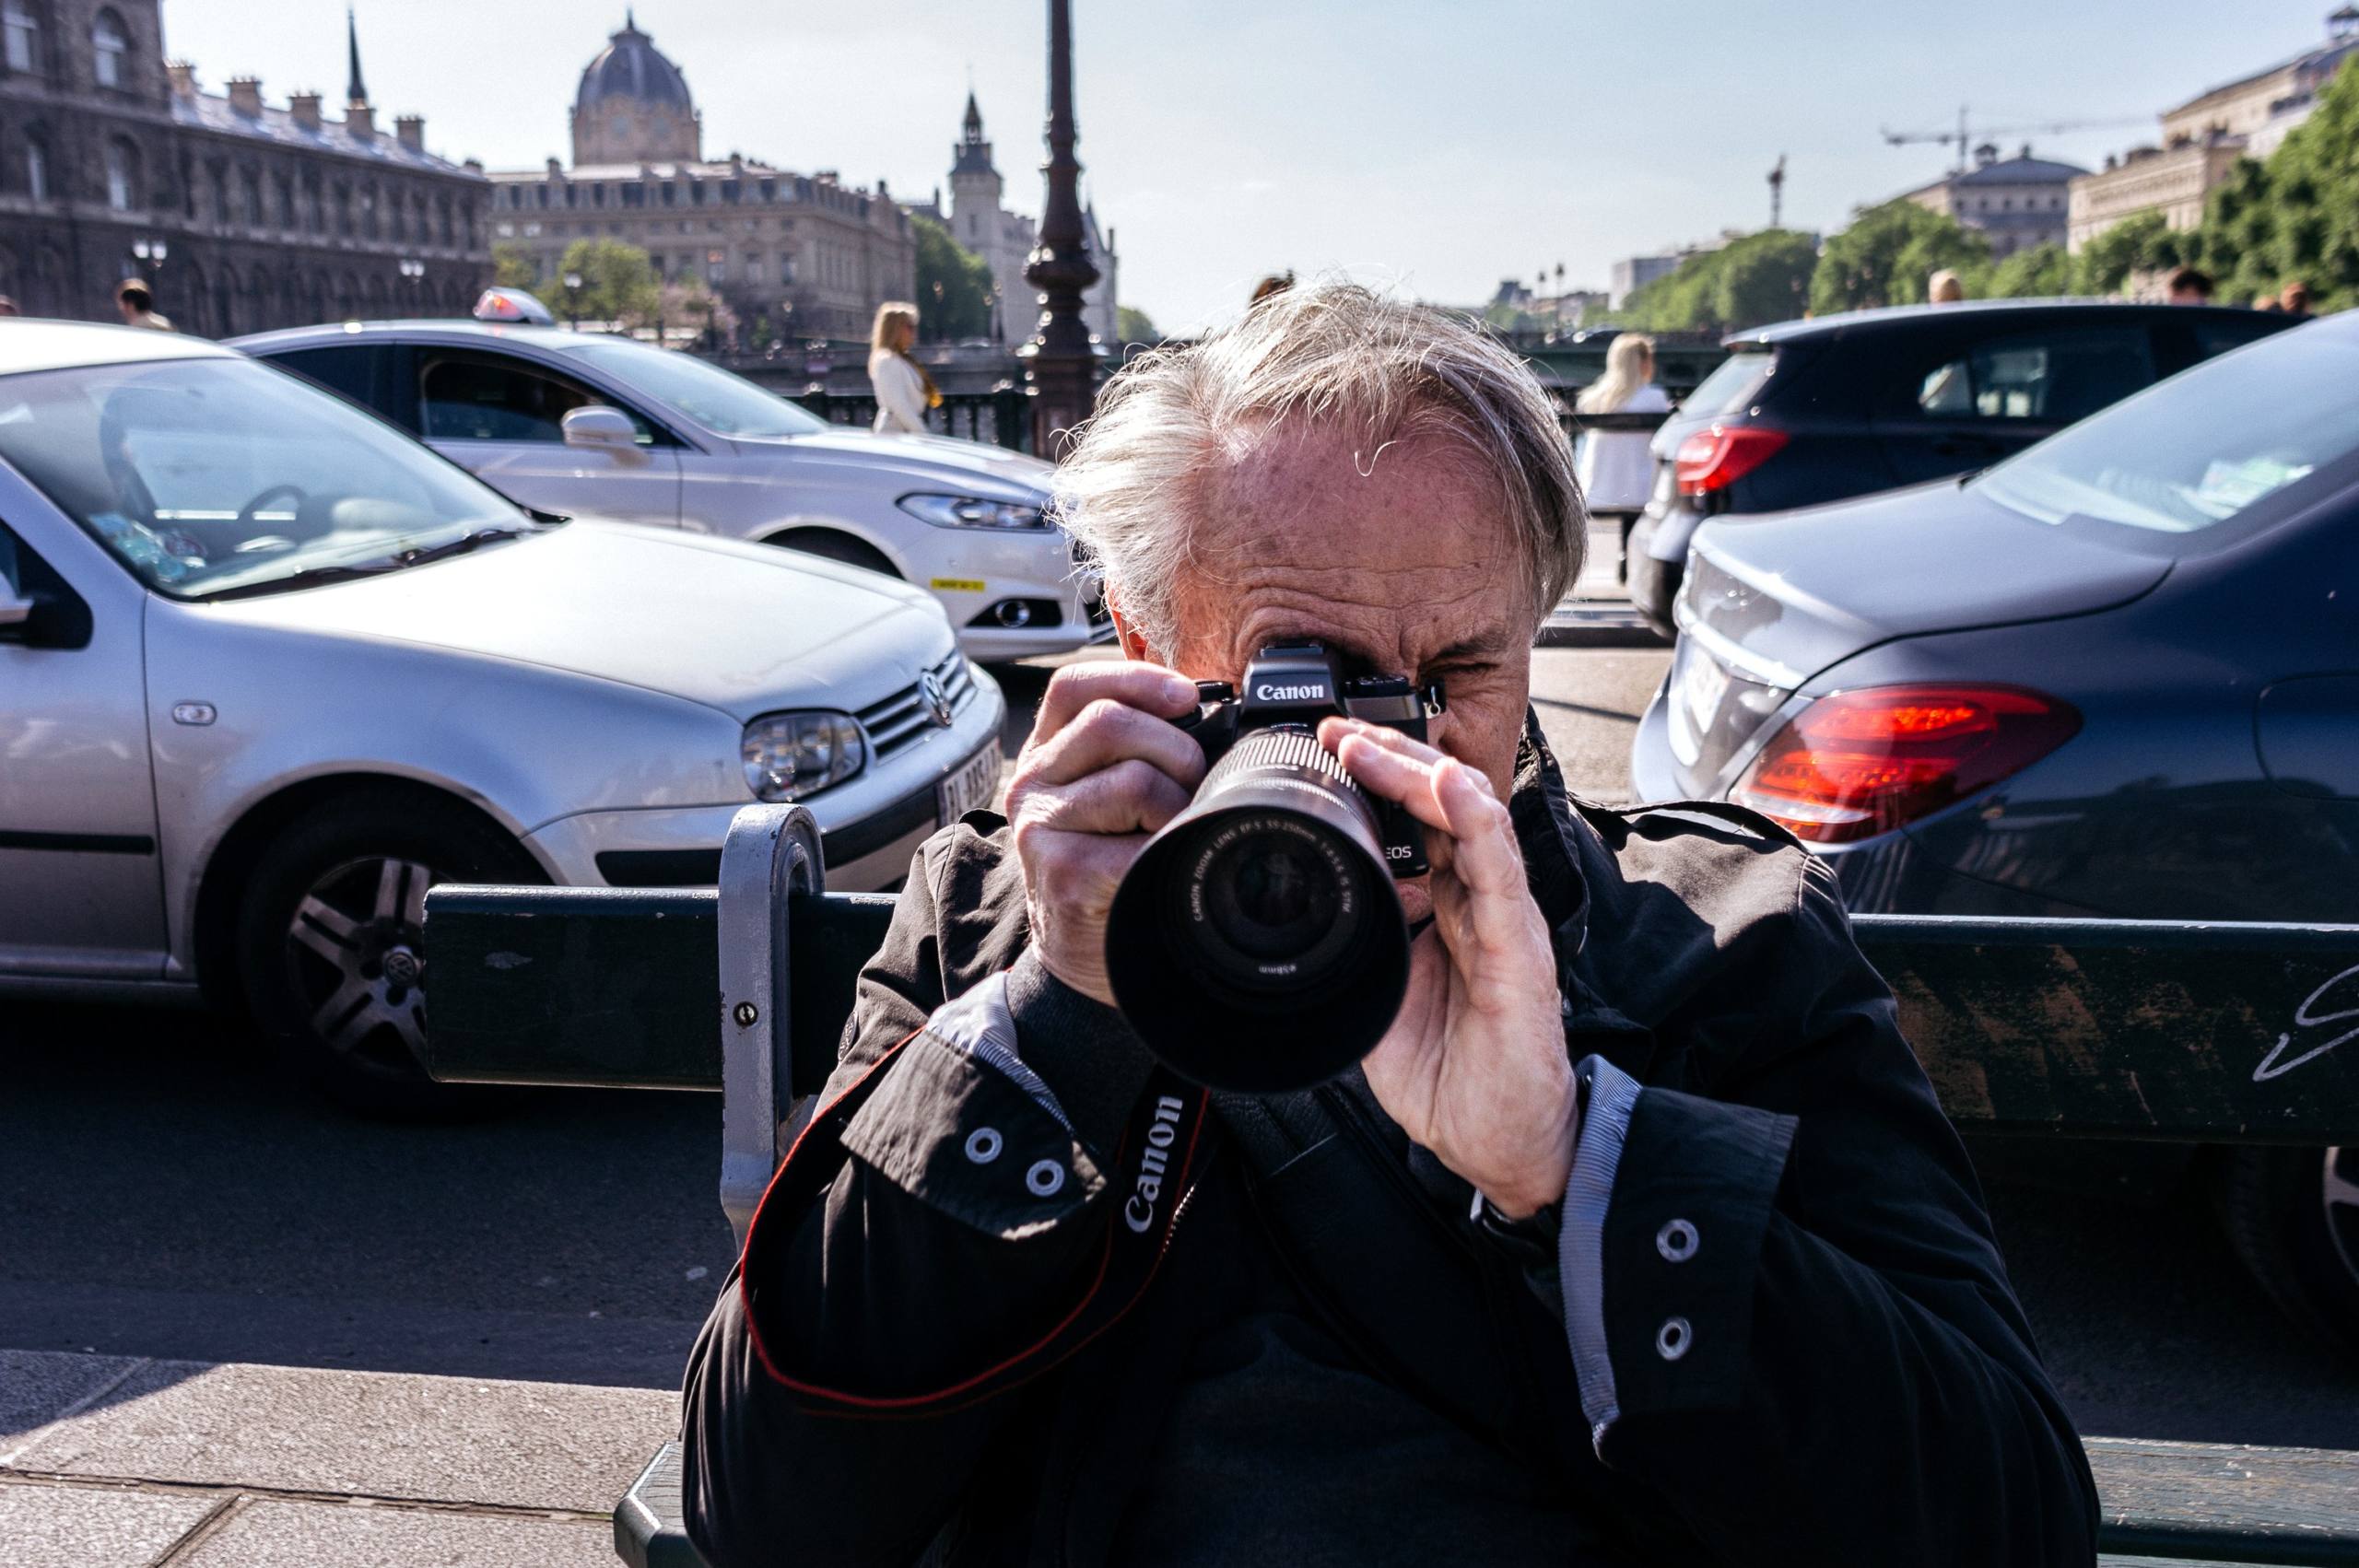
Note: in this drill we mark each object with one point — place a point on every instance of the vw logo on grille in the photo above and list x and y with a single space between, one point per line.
937 700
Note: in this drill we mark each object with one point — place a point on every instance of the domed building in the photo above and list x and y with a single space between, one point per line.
795 255
633 106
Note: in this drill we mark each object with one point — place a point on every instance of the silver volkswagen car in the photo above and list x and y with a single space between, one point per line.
588 422
270 668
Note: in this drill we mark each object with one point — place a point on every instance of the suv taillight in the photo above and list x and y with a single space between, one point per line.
1861 762
1715 458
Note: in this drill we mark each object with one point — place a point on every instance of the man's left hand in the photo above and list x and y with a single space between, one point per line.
1474 1068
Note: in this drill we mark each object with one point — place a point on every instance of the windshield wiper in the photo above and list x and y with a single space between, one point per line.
311 577
422 553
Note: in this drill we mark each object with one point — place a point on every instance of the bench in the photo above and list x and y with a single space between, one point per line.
2154 1030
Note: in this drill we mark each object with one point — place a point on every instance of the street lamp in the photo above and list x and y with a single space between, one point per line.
1059 361
415 271
150 254
573 303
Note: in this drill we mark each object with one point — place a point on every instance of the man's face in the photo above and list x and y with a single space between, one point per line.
1400 559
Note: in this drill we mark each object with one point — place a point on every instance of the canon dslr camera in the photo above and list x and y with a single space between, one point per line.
1257 943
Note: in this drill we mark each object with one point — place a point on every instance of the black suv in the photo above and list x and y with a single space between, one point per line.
1814 411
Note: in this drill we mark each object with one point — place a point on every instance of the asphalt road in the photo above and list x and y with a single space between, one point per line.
161 1193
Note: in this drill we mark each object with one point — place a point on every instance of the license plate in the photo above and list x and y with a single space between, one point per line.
971 788
1705 683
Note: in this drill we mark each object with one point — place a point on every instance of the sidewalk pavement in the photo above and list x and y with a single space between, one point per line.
126 1462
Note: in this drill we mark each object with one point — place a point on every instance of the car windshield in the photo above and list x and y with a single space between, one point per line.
208 475
2201 448
723 404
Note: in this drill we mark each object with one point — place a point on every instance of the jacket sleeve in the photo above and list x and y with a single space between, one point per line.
900 401
932 1252
1785 1301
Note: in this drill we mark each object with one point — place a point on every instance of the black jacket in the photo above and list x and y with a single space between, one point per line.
1778 1329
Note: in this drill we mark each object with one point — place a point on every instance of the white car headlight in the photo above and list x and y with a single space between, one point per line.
790 757
972 511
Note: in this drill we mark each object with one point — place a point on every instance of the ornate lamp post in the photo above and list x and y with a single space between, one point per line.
1060 365
413 271
150 254
573 300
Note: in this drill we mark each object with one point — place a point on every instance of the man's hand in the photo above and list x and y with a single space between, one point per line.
1102 770
1474 1068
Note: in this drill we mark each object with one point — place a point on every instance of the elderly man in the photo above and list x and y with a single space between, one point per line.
1639 1238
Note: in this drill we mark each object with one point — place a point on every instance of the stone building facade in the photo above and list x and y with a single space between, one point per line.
2203 138
809 255
267 216
979 219
2015 203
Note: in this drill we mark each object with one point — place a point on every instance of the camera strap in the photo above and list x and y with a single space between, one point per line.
1166 1147
1379 1264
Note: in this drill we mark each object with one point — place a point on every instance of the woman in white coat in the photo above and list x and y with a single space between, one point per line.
904 392
1615 468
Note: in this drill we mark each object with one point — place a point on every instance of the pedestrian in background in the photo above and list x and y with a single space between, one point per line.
2295 301
1614 467
2190 286
8 305
1944 287
138 307
904 392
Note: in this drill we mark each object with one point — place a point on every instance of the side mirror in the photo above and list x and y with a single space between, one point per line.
596 425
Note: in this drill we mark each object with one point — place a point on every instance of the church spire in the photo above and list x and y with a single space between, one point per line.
974 122
355 90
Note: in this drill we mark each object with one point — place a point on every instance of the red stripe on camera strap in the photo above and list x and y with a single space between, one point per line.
1164 1152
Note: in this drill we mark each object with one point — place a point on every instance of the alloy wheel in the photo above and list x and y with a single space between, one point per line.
355 953
2338 1195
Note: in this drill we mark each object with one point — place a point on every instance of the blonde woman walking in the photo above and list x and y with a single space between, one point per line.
1614 465
904 392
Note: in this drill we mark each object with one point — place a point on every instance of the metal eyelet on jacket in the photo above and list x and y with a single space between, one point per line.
983 1145
1045 1179
1673 1338
1676 1241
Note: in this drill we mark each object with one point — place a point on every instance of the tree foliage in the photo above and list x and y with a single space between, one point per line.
2295 217
953 284
619 283
512 267
1748 282
2142 243
2040 272
1889 252
1133 325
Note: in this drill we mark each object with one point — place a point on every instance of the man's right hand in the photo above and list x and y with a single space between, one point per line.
1102 770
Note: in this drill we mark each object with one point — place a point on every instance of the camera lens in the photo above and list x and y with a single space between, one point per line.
1258 944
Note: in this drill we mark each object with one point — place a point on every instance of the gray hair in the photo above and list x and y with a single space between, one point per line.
1333 353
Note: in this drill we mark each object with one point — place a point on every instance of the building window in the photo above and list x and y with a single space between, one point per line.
119 189
716 266
36 172
670 194
786 267
753 269
107 49
23 31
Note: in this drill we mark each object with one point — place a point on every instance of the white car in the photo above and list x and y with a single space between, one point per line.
271 668
584 422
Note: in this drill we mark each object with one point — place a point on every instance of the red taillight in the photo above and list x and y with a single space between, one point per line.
1711 460
1862 762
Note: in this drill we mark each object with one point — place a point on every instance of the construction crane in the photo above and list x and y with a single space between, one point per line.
1777 191
1965 139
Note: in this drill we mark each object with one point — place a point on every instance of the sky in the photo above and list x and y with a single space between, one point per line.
1435 147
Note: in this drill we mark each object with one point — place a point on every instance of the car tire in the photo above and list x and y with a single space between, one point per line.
329 944
2293 1216
829 546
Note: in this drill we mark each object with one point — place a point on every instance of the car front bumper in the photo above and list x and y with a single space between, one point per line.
868 828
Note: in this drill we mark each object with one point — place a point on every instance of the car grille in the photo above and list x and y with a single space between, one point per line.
902 720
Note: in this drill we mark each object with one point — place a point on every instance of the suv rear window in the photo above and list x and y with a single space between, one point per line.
1733 385
2049 377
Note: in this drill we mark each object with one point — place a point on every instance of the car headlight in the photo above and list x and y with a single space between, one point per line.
972 511
791 755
